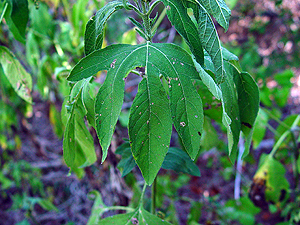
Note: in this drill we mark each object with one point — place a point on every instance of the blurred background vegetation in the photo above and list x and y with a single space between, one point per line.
34 184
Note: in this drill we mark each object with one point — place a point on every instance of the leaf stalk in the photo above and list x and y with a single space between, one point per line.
3 12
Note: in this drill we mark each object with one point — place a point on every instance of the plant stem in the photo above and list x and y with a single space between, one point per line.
3 12
283 136
154 4
129 209
295 157
143 194
146 20
153 196
159 20
275 118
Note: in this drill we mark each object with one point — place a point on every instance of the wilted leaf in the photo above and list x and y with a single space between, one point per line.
269 181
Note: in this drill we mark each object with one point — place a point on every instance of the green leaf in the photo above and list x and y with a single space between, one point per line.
47 205
127 162
168 60
242 210
179 161
248 101
209 38
89 105
19 79
98 207
150 124
219 11
94 32
78 144
229 56
140 216
176 159
210 137
41 21
231 117
16 17
178 16
260 127
186 105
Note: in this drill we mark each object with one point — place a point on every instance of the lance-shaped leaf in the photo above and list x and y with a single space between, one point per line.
219 10
17 76
89 104
248 101
94 32
186 106
78 144
16 16
232 117
226 92
119 60
209 38
178 16
150 124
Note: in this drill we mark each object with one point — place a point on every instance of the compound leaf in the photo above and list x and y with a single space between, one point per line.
17 76
95 27
168 60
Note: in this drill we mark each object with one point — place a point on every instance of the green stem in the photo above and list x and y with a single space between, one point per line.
146 20
154 4
125 5
272 129
3 12
294 160
159 20
128 209
153 196
283 136
136 10
275 118
143 194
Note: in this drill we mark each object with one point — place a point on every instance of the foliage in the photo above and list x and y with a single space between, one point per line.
198 89
156 107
